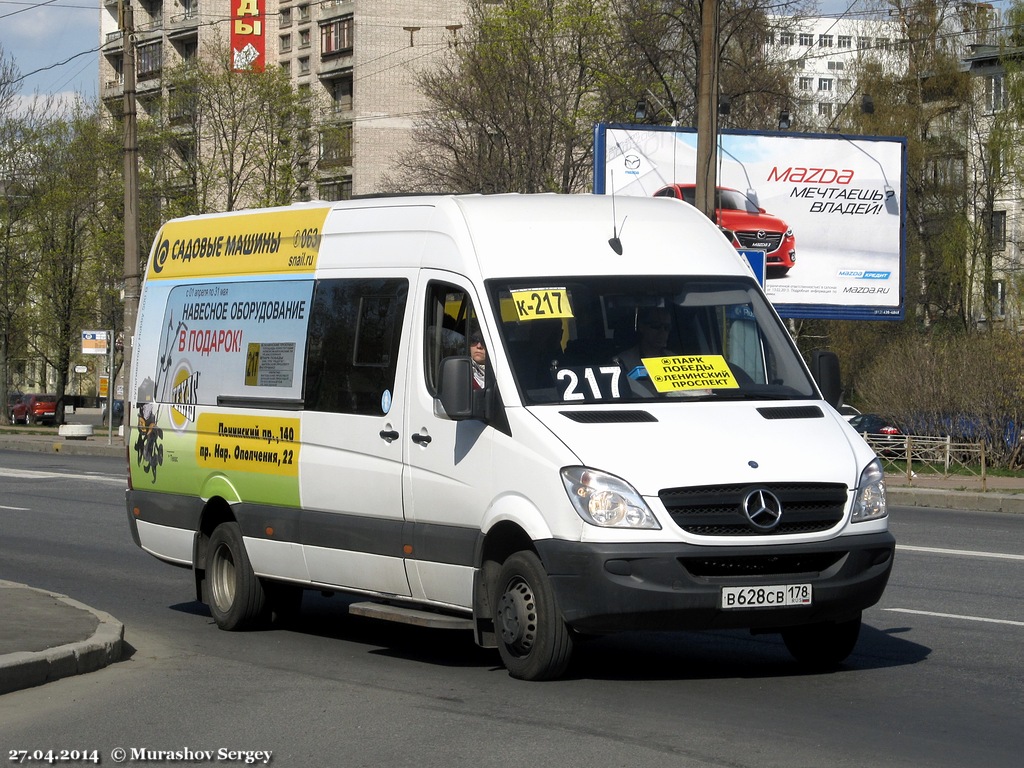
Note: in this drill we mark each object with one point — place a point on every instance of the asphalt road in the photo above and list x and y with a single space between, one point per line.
935 680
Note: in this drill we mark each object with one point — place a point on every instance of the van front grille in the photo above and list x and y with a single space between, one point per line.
717 510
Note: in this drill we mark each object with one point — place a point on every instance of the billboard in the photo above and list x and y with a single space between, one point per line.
248 41
843 199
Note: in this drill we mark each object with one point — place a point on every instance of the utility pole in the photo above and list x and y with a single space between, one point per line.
707 110
131 205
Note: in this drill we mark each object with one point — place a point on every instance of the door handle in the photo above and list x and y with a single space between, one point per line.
389 435
420 439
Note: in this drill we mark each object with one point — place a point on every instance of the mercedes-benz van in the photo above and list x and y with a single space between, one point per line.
536 417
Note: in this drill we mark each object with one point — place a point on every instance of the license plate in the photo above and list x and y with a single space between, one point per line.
776 596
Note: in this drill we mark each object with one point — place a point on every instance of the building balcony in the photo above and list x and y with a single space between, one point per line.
113 88
331 9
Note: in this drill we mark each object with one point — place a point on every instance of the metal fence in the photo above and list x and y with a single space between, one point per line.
915 454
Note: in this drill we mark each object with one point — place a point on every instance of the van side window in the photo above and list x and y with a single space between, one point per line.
449 322
355 328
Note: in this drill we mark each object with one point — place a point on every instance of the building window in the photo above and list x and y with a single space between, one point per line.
286 67
844 41
997 230
303 38
286 17
341 94
336 145
787 38
824 41
302 13
836 65
304 65
824 83
336 36
995 93
799 64
806 39
149 60
825 109
340 189
286 43
882 42
806 83
997 292
863 43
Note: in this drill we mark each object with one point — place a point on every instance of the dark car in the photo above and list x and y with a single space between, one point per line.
35 409
873 424
887 437
118 412
751 227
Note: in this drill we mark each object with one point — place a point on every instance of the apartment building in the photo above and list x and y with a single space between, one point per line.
357 59
825 53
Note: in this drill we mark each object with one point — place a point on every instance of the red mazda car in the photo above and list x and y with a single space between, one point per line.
752 227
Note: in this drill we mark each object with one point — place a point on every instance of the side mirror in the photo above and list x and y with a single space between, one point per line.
455 388
825 370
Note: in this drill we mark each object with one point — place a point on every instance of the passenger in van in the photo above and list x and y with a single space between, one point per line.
653 325
478 355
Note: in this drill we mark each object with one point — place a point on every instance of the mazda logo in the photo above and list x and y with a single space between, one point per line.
761 234
763 509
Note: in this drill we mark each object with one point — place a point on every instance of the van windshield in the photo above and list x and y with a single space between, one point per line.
621 339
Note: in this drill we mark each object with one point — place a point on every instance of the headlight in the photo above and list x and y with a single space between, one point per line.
870 501
606 501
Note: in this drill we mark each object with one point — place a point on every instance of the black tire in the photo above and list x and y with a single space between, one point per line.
822 646
533 640
234 594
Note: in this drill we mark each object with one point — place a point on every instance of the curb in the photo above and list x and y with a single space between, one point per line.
74 446
940 498
27 669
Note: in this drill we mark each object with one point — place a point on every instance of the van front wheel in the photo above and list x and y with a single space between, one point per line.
533 640
236 596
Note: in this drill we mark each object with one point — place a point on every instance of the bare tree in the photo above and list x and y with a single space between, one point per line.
229 139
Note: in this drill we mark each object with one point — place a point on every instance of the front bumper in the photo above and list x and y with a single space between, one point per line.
612 587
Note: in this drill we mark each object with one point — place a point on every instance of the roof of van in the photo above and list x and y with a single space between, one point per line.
551 234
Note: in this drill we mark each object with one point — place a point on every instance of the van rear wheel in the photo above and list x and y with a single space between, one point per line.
822 646
533 640
236 596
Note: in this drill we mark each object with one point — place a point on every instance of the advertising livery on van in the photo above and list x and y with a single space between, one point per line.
535 417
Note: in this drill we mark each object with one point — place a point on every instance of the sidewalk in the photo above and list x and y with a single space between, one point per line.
46 636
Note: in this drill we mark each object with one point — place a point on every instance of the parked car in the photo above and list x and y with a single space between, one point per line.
752 227
118 412
35 409
873 424
12 399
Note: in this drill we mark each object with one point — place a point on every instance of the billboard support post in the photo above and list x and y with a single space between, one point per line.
707 110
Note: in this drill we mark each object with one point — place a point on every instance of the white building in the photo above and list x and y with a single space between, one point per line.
825 53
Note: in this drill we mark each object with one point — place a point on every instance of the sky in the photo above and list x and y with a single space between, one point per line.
40 34
55 43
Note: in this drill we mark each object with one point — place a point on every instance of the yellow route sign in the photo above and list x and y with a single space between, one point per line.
682 373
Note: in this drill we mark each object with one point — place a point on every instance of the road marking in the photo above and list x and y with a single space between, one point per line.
14 509
956 616
960 552
31 474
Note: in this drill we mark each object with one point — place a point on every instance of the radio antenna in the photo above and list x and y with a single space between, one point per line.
615 242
